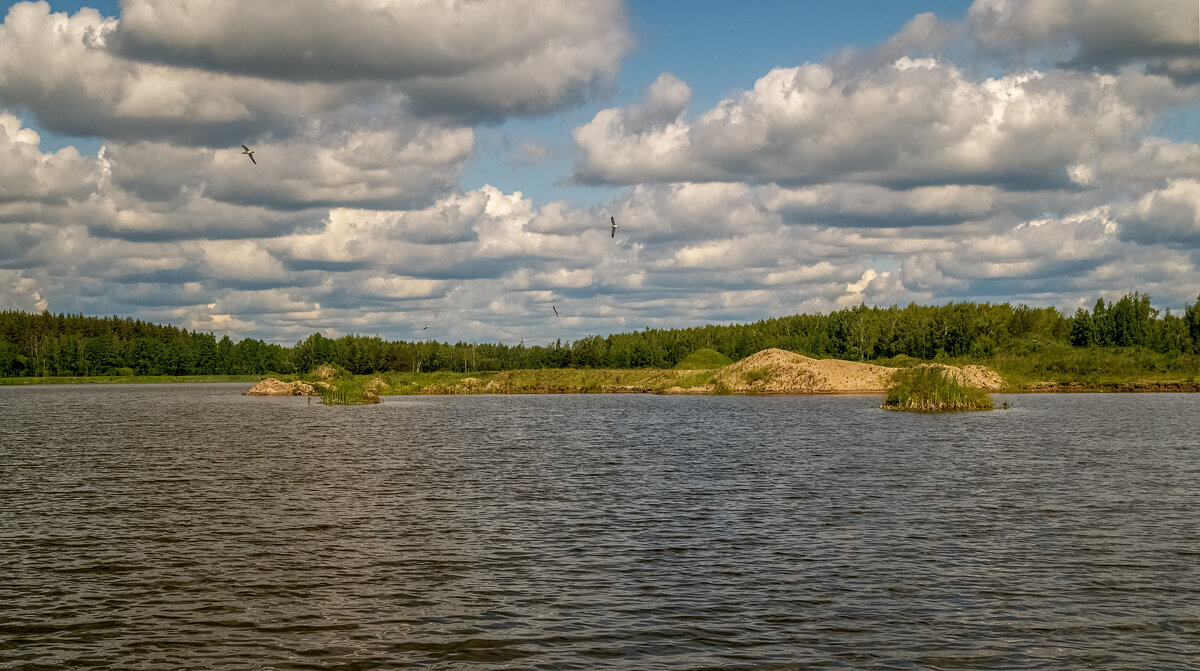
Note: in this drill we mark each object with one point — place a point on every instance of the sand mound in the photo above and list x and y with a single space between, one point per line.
325 372
778 371
972 376
781 372
272 387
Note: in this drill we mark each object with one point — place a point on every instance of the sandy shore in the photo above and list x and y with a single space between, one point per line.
776 371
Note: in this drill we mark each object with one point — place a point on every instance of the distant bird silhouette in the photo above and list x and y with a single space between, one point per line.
247 152
425 327
613 221
555 311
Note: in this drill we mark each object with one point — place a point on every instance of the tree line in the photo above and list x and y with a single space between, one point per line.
74 345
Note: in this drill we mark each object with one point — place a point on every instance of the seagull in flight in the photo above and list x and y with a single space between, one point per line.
425 327
613 221
246 150
555 311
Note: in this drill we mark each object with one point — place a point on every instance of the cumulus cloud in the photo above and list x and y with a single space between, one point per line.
808 125
685 212
27 174
1170 215
925 35
475 264
475 58
404 167
20 292
220 73
190 216
665 100
80 87
1107 34
869 205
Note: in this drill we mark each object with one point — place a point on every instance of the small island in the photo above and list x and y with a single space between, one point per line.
771 371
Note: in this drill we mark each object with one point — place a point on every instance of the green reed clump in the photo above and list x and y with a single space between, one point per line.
930 389
347 391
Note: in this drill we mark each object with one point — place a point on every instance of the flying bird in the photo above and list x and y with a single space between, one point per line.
425 327
613 221
247 152
555 311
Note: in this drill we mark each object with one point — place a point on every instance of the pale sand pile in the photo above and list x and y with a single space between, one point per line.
326 372
781 372
973 376
272 387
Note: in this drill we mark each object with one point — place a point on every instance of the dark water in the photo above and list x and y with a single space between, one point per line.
186 526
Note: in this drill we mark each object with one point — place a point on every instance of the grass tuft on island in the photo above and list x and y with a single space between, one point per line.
930 389
349 391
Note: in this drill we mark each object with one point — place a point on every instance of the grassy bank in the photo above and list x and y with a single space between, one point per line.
128 379
1061 367
928 389
546 381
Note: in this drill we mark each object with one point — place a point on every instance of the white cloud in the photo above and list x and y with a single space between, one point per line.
1085 33
476 58
241 261
912 122
822 270
221 73
869 205
20 292
28 174
80 88
1170 215
366 168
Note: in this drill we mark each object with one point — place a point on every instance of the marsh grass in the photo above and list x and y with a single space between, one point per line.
929 389
348 391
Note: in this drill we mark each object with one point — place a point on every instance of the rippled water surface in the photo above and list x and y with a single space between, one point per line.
187 526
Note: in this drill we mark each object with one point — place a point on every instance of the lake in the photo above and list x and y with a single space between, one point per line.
187 526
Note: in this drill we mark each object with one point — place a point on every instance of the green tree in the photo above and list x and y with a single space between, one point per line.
1191 317
102 355
1083 329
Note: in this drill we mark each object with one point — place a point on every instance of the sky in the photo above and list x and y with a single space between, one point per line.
454 164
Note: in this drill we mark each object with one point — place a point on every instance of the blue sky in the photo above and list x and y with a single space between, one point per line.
458 167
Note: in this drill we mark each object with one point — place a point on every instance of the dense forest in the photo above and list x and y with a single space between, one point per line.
74 345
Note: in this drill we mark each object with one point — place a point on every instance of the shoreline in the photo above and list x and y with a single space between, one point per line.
1036 387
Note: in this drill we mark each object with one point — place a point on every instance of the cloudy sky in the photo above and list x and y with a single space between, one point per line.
454 163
